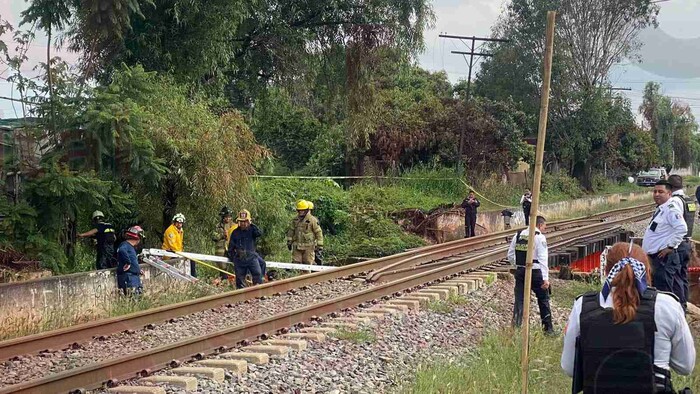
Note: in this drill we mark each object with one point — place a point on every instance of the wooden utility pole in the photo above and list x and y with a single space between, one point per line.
541 135
471 54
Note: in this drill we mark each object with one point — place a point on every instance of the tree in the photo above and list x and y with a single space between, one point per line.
596 35
287 129
657 111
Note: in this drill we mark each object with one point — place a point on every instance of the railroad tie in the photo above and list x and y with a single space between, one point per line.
389 309
137 390
463 286
370 315
251 357
452 288
441 294
187 383
413 305
354 320
294 344
215 374
238 367
469 284
422 299
318 330
309 336
339 324
271 350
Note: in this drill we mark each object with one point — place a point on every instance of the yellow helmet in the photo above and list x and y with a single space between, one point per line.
244 216
311 205
302 205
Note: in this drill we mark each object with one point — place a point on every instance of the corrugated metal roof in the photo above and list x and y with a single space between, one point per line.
14 123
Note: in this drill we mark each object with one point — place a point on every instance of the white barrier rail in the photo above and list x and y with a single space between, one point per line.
219 259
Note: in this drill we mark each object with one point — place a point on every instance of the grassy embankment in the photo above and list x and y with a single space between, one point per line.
494 367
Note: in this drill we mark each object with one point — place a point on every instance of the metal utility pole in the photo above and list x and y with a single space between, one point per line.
471 54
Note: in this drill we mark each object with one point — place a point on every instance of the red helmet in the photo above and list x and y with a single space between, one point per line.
135 232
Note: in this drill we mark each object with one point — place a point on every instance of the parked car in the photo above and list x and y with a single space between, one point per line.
649 178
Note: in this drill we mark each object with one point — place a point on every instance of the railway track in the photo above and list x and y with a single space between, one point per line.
424 267
57 339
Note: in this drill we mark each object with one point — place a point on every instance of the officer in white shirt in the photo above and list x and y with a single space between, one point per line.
517 254
602 354
661 239
685 250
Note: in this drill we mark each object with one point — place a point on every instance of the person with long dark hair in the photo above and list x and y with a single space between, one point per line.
627 337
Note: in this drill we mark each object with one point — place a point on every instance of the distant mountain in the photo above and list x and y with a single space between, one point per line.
668 56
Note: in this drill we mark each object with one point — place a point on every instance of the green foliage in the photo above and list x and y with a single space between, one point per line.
554 186
288 130
360 336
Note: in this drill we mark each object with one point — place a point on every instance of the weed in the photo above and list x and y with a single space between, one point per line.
360 336
565 295
442 307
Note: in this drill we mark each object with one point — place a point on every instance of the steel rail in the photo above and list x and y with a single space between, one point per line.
93 376
60 338
498 236
499 253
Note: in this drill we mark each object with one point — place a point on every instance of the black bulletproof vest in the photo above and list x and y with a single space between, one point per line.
521 249
105 236
617 358
688 213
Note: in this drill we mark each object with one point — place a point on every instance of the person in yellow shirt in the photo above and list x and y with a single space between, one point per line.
173 239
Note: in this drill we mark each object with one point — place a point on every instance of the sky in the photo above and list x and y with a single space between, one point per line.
670 55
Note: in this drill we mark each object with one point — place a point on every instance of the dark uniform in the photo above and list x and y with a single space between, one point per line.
105 236
517 253
685 251
470 206
242 252
128 278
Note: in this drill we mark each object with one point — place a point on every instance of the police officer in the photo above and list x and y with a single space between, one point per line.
627 337
686 205
174 239
221 236
105 236
242 250
526 203
470 205
128 270
517 254
662 237
304 236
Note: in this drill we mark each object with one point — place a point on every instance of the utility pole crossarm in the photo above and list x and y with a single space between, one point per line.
473 38
471 53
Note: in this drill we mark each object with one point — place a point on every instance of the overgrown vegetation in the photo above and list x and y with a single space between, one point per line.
359 336
26 322
174 105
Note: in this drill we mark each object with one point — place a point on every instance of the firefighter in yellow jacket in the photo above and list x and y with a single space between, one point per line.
304 237
173 239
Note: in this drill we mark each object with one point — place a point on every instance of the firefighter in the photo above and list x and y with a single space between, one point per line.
221 237
662 237
517 254
627 337
470 205
686 205
128 270
318 255
174 239
242 250
105 236
304 236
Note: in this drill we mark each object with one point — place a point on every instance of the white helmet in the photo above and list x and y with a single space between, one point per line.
179 218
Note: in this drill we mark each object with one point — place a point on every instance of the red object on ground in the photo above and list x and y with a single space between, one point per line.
587 264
